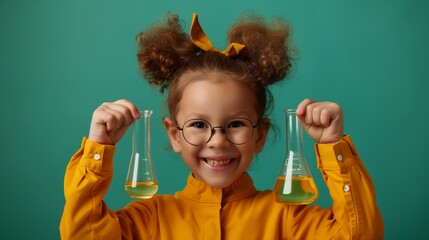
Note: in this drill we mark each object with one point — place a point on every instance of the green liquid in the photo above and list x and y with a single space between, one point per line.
142 190
303 191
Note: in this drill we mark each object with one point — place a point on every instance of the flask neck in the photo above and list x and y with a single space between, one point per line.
293 133
141 134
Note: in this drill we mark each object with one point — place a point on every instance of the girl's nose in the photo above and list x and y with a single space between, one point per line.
218 140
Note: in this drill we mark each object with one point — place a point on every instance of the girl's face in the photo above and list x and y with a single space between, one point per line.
216 99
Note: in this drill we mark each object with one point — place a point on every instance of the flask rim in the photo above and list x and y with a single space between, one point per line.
290 110
146 113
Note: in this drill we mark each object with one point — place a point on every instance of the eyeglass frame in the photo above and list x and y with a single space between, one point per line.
213 131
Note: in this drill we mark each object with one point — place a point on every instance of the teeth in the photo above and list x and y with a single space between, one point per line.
216 163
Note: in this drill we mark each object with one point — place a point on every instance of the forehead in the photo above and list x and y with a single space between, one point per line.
215 94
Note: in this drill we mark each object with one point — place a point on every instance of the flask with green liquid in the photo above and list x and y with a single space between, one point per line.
141 181
295 184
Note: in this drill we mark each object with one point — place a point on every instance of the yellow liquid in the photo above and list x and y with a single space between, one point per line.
302 190
142 190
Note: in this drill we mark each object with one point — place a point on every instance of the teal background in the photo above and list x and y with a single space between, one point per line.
59 60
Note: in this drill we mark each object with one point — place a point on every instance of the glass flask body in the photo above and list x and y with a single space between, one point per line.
141 181
295 184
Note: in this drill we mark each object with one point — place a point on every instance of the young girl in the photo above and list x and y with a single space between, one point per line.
217 102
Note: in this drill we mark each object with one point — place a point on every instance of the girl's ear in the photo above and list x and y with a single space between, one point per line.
173 134
263 128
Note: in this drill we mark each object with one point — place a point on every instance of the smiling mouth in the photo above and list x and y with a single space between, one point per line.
217 163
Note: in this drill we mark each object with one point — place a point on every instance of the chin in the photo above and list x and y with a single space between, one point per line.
219 183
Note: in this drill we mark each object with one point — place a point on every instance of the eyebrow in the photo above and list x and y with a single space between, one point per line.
204 116
241 113
195 115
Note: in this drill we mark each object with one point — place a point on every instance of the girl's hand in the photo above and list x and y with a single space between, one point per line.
323 121
110 121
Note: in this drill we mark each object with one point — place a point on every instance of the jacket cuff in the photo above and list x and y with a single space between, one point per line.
336 155
97 157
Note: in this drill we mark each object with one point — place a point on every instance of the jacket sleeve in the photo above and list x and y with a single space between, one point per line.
354 213
87 179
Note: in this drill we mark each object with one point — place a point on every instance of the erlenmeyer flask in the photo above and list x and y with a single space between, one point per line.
141 181
295 184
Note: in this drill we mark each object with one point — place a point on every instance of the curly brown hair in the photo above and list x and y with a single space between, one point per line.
166 54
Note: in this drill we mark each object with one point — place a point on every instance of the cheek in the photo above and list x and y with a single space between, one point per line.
248 152
260 139
188 151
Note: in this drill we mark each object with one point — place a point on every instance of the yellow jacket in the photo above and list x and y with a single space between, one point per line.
204 212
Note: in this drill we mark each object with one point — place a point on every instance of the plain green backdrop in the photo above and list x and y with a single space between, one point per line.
59 60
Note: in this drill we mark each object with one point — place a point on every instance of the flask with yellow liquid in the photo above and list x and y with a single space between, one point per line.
295 184
141 181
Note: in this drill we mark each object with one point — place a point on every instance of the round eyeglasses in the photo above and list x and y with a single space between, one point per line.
198 132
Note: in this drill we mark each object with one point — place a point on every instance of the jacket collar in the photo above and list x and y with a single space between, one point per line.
202 192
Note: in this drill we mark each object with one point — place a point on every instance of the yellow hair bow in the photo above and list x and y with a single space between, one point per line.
199 38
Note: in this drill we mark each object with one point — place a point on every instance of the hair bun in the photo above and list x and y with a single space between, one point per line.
266 50
163 50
